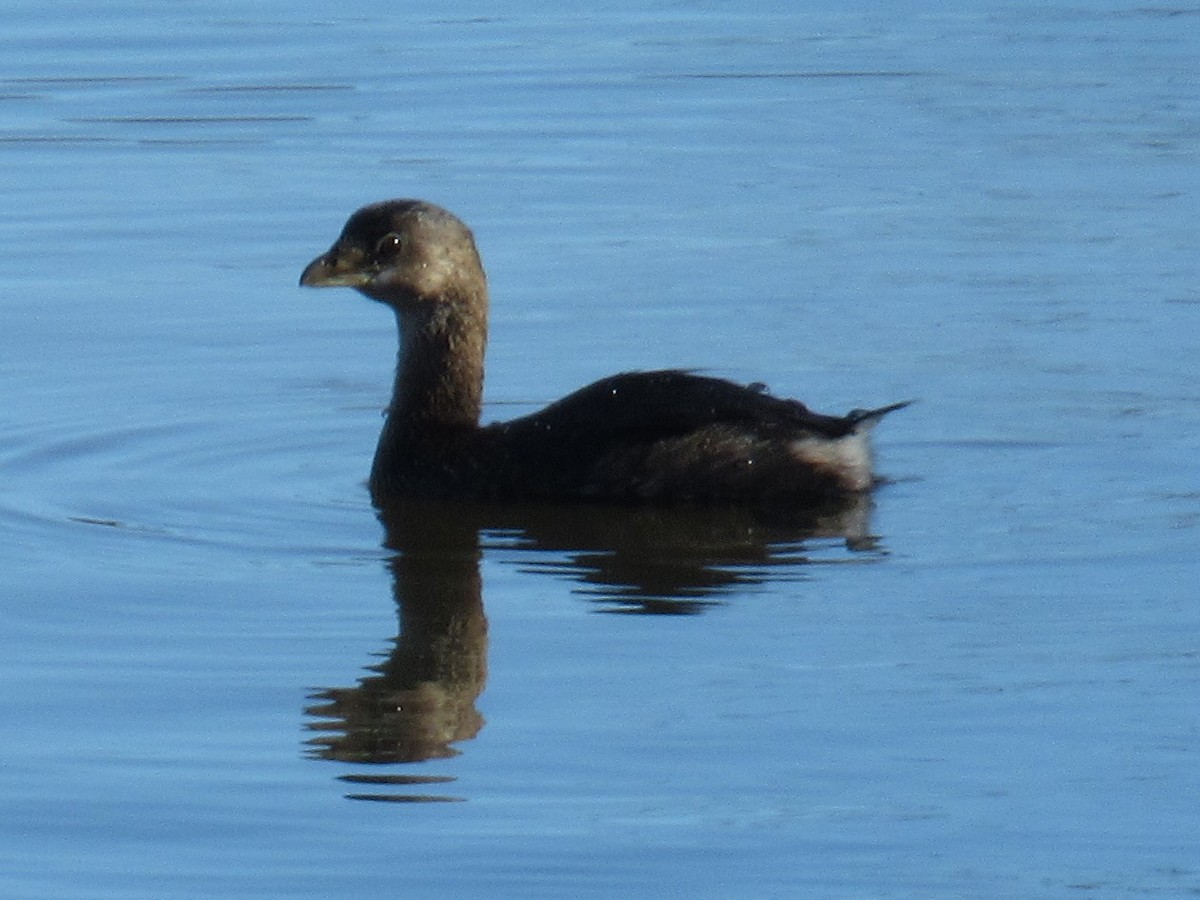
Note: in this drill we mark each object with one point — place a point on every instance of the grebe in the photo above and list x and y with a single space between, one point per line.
657 437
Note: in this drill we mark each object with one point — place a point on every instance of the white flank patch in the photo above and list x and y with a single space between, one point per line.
848 457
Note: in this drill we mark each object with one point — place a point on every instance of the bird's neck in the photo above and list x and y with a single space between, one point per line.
439 372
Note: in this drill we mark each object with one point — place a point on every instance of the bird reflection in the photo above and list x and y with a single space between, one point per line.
420 699
419 702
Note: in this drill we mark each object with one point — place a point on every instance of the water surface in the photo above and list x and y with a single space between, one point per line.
225 675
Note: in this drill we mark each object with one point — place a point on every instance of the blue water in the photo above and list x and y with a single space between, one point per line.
985 686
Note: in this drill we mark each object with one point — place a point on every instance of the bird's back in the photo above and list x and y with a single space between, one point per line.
676 436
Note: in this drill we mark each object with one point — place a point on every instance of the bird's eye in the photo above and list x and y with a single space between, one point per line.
389 244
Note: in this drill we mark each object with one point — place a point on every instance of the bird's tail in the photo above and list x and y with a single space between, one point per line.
866 418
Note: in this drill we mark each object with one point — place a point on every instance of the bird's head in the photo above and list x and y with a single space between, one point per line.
407 253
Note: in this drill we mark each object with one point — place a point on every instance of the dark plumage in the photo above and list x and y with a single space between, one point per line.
666 436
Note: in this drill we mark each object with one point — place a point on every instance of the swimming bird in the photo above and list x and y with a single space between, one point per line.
668 436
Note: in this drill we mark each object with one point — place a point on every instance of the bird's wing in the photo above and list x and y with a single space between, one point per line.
667 403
